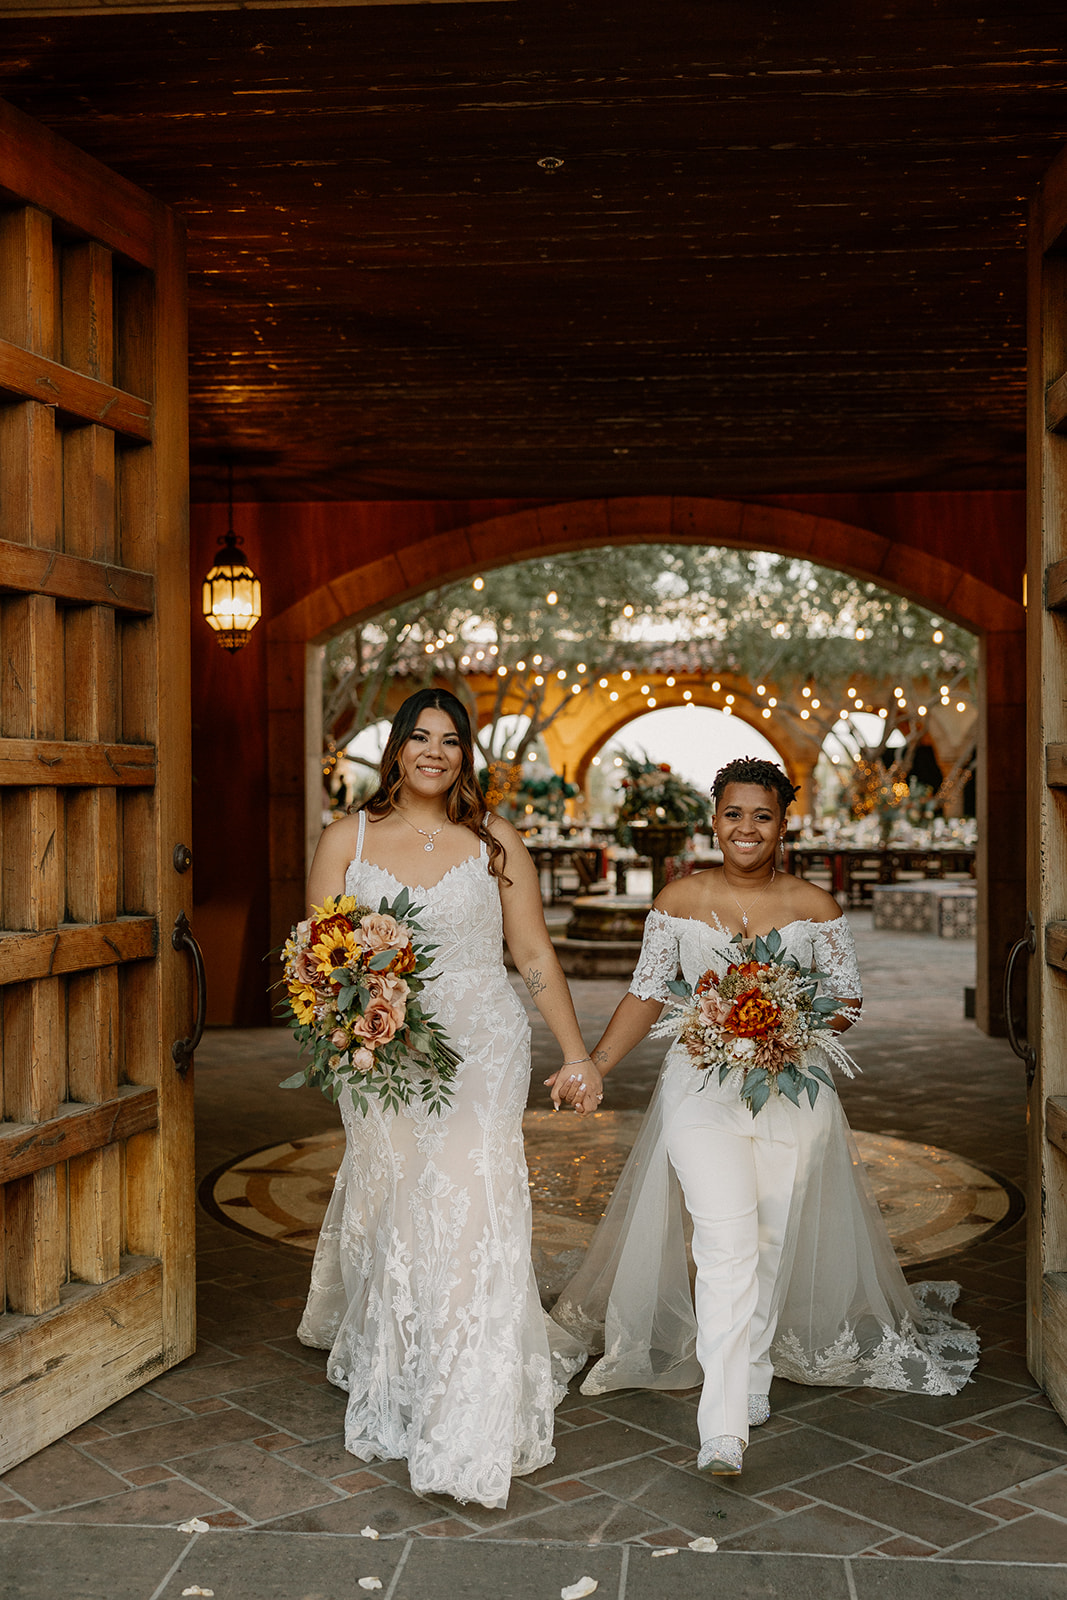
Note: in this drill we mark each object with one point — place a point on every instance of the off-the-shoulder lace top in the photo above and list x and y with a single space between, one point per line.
696 946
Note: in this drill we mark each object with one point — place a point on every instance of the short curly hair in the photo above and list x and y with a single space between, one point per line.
751 769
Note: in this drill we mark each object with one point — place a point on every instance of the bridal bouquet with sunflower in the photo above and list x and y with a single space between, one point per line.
352 979
763 1018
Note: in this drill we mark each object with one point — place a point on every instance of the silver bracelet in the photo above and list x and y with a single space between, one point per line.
576 1063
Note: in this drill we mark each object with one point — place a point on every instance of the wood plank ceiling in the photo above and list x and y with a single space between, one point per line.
782 249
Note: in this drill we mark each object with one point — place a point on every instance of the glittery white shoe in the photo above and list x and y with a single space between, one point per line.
721 1455
759 1410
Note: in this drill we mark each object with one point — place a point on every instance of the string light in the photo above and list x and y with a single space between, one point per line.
815 704
552 597
603 683
729 699
687 694
537 661
727 711
805 714
626 677
501 672
561 674
761 688
479 583
618 761
670 683
464 661
651 700
644 688
596 761
539 680
614 695
765 712
852 694
806 692
576 688
922 711
582 667
960 705
520 666
772 701
627 611
938 636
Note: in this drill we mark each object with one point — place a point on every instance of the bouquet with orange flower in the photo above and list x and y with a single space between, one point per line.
763 1018
352 979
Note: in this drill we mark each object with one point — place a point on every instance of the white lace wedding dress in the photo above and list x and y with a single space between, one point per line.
422 1287
843 1313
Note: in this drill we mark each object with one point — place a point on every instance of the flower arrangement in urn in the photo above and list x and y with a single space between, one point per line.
654 795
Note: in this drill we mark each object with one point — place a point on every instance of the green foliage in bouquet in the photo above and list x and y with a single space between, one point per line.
352 979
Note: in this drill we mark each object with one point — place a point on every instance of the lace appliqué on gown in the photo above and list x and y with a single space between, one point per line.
843 1310
422 1286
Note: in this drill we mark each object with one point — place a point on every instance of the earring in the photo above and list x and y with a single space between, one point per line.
781 852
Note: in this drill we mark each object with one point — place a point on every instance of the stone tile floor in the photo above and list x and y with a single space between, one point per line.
860 1495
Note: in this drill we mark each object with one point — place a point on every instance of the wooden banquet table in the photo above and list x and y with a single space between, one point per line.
853 868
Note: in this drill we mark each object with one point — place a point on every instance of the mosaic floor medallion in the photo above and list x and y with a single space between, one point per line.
934 1202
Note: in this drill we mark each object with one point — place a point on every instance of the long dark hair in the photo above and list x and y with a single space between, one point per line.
464 802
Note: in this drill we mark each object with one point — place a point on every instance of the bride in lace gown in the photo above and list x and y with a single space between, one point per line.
422 1287
795 1272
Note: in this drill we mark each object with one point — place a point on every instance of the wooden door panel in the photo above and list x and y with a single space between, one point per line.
1047 761
96 1191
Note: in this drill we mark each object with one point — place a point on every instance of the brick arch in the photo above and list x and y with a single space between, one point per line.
416 563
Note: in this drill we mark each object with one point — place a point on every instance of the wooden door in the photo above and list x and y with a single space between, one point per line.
96 1171
1047 767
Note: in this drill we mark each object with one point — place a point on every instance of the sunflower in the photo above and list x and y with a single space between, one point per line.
336 947
302 1000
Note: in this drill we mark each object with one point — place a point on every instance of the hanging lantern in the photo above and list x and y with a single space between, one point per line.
232 601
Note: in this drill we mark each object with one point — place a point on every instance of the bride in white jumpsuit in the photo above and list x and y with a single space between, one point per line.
795 1272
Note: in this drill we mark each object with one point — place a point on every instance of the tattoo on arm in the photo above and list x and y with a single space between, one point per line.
600 1055
534 981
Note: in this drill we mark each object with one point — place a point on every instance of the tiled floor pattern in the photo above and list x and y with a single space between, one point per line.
860 1495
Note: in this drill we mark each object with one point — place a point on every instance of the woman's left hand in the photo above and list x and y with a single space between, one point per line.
579 1085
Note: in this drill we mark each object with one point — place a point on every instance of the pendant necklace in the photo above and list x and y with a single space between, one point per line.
740 907
430 834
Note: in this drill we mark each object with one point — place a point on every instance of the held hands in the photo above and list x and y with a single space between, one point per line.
577 1084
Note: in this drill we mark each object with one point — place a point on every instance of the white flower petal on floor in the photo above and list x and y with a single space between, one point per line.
194 1525
577 1591
369 1533
705 1546
196 1589
369 1583
668 1550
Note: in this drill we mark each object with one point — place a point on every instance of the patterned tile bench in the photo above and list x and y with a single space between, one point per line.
934 907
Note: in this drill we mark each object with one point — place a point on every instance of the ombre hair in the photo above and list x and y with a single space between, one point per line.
764 774
464 802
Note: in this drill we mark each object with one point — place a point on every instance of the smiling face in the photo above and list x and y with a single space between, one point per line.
432 756
749 823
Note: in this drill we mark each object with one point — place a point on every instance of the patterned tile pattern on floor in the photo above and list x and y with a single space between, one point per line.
247 1435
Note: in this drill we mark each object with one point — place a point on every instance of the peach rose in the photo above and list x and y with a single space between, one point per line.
362 1060
338 1038
378 1024
382 932
386 986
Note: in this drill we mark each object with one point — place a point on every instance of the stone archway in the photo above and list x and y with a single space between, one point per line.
411 567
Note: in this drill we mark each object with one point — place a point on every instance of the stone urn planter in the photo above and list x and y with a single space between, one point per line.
658 841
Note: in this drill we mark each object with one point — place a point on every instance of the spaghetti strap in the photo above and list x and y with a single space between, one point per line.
359 836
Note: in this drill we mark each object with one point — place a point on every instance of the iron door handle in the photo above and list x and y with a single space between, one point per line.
183 938
1021 1047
